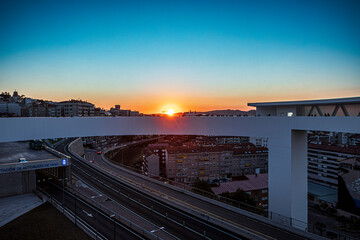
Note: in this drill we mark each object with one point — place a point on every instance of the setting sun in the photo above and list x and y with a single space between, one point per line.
170 112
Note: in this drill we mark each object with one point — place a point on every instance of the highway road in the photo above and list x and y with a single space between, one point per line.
86 213
177 223
257 227
235 218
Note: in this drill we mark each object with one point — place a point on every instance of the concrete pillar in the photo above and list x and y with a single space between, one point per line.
299 179
288 178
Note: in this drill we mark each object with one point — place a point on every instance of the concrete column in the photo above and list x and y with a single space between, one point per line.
288 178
299 179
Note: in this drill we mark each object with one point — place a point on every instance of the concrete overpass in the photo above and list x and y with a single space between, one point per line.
19 177
287 142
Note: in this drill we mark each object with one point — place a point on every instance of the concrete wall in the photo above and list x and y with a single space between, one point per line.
17 183
78 147
16 129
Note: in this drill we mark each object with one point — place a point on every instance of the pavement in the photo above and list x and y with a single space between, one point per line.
15 206
10 152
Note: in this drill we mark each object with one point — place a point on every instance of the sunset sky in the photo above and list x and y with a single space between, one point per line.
153 56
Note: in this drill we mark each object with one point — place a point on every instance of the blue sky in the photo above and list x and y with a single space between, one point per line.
149 55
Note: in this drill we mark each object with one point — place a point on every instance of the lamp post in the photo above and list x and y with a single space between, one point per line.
75 207
51 196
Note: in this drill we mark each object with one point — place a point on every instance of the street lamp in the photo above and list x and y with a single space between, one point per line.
155 230
100 195
51 197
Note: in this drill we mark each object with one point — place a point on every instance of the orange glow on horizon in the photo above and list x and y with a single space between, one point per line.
170 112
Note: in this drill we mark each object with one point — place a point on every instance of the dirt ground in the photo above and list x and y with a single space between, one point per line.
42 223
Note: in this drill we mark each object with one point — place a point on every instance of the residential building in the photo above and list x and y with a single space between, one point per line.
247 158
151 164
349 185
188 163
259 141
214 163
255 185
40 108
324 161
74 108
159 149
354 139
10 109
231 140
99 112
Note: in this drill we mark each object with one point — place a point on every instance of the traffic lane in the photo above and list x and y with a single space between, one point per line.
223 213
103 223
213 231
180 217
156 219
236 218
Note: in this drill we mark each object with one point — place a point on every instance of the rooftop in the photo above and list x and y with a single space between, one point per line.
351 100
253 182
355 150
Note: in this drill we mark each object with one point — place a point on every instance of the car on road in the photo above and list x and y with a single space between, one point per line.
99 152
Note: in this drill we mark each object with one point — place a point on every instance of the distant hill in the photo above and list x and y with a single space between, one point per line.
229 112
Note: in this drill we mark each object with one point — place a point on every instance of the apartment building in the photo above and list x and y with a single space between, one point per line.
74 108
211 163
159 150
188 163
151 164
247 158
40 108
324 161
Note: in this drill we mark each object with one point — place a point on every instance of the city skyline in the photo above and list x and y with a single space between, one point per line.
157 56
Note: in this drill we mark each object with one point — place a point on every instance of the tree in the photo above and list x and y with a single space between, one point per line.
240 196
201 186
320 227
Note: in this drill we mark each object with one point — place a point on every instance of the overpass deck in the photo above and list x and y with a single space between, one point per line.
10 152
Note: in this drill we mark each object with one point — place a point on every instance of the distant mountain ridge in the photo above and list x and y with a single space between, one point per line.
229 112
